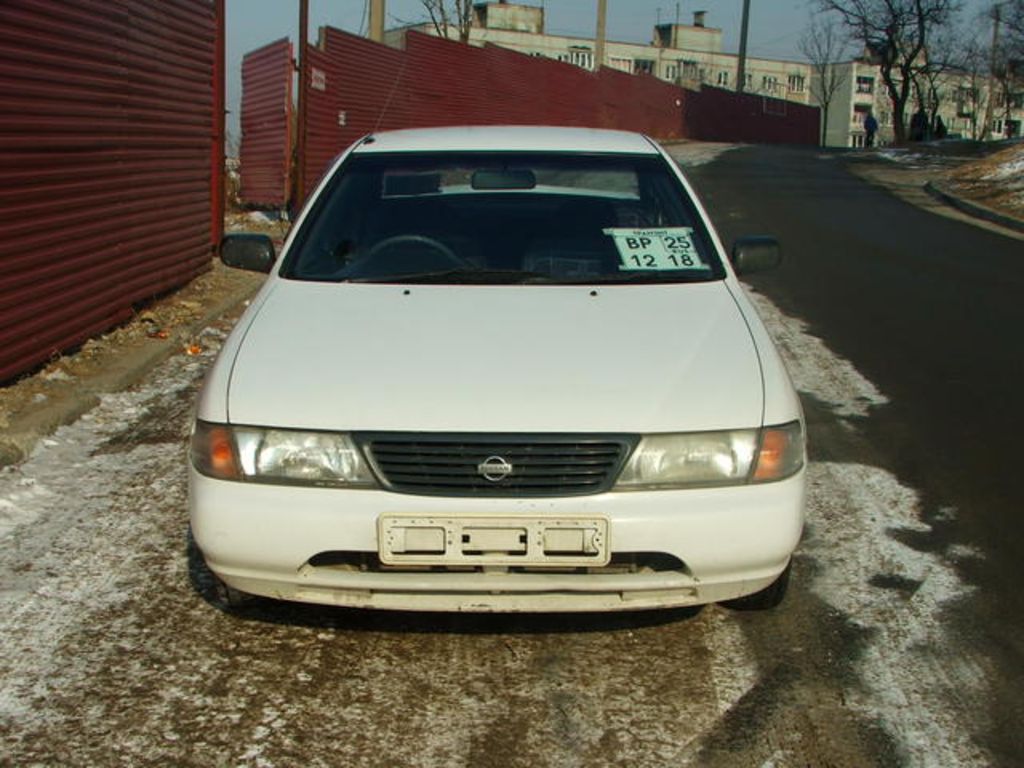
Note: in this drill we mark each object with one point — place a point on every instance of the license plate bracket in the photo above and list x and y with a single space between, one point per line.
500 541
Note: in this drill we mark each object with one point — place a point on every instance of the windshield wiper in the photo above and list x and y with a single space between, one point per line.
461 276
646 277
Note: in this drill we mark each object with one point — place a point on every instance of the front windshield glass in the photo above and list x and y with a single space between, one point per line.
503 218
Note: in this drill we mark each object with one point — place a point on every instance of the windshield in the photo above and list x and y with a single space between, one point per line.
503 218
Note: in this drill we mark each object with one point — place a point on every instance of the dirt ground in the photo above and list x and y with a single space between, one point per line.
996 180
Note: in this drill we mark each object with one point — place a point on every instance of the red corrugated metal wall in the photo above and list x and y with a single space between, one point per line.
357 86
265 151
713 114
106 119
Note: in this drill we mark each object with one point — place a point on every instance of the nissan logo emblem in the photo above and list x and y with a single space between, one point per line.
494 468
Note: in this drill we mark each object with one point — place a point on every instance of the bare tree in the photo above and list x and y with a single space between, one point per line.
895 34
944 62
972 95
448 15
1014 20
823 46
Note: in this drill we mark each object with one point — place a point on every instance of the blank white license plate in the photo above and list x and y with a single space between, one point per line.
492 540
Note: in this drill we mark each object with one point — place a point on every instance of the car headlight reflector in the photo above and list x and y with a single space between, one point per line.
279 456
701 459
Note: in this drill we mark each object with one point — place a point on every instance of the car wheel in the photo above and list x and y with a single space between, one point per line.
769 597
231 598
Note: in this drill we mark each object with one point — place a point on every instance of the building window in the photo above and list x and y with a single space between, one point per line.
643 67
748 82
691 70
769 83
797 83
581 57
865 84
966 98
620 63
671 71
723 80
860 113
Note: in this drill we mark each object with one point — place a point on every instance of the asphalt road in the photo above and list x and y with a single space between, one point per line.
929 309
898 644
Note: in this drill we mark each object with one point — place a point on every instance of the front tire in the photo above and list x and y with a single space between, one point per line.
232 599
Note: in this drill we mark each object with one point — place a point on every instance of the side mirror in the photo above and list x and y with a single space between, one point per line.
248 251
755 253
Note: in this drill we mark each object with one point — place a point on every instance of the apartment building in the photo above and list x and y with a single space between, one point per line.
689 55
962 101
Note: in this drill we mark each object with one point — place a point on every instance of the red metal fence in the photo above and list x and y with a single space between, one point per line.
265 150
713 114
356 87
106 123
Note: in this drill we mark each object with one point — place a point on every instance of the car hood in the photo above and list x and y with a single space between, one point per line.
636 358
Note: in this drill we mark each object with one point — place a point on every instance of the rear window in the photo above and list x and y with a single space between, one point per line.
503 218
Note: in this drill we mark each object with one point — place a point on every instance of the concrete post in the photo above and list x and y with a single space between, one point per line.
741 75
377 21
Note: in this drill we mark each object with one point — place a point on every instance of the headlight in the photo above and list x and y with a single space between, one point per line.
696 459
279 456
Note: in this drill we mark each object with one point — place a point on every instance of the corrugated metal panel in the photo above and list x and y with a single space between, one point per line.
364 89
105 130
363 86
713 114
357 86
265 151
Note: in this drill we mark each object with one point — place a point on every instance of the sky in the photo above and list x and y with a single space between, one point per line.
775 25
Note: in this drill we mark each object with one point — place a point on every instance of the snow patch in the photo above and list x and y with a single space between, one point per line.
860 520
1011 169
814 368
900 595
693 154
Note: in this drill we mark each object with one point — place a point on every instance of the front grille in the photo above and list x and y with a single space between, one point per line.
450 465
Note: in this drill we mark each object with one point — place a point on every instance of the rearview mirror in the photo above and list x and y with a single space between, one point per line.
503 179
755 253
248 251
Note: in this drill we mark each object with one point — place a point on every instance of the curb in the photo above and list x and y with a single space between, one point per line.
942 193
27 429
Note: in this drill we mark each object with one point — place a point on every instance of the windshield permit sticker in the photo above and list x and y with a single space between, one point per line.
671 248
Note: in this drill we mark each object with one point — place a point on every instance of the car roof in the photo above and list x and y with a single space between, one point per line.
507 138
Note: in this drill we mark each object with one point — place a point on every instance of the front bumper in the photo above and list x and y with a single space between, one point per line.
730 542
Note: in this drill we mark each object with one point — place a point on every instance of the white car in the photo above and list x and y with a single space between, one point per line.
500 369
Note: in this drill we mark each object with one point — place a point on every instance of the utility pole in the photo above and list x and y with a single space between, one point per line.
300 139
741 75
602 12
377 21
993 63
217 169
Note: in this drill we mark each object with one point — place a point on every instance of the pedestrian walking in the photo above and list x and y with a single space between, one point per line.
870 129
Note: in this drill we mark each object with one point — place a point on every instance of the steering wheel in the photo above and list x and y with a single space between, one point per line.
436 246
